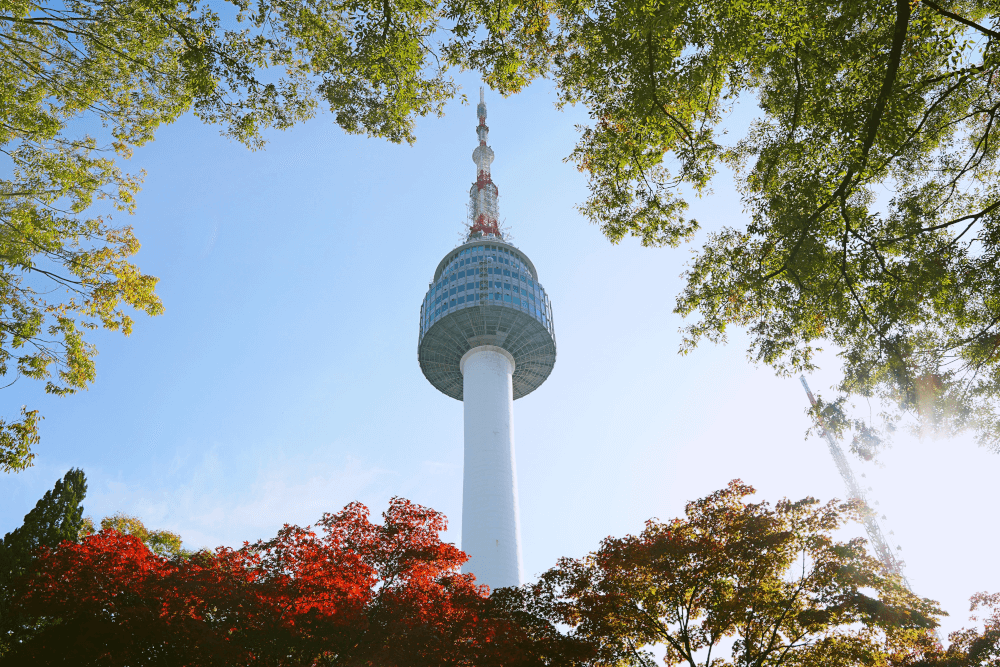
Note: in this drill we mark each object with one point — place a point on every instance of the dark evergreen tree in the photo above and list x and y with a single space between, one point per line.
57 517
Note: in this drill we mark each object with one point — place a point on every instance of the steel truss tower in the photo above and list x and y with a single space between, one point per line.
879 542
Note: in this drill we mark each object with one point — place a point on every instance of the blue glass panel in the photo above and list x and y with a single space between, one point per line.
451 291
506 297
531 296
461 299
506 285
452 302
517 301
461 288
469 285
506 272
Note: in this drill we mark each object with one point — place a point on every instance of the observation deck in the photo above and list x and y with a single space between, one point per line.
486 292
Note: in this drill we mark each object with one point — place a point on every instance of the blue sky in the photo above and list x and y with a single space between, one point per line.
283 382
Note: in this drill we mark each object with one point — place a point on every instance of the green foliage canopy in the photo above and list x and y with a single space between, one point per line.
869 179
56 518
130 66
163 543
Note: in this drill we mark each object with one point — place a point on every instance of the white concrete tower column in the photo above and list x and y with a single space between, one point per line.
491 531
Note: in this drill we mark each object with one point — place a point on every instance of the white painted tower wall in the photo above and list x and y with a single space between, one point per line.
491 532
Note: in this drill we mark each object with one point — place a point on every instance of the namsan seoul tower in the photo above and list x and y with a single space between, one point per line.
487 339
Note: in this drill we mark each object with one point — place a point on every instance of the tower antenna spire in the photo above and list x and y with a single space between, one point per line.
483 208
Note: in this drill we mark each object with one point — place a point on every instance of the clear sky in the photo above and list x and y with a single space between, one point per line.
283 382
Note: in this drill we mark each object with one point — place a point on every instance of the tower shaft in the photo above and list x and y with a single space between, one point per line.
491 533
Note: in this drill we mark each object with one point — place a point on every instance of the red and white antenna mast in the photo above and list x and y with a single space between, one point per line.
483 208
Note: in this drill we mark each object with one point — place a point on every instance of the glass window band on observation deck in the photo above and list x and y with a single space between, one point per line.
472 253
484 257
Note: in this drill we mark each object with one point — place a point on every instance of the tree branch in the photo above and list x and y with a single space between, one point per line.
961 19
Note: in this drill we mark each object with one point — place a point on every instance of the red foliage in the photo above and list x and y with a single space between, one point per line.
356 593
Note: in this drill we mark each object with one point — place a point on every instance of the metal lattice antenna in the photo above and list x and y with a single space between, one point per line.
483 208
883 551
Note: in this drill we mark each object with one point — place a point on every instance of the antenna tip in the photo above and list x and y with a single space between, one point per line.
481 99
